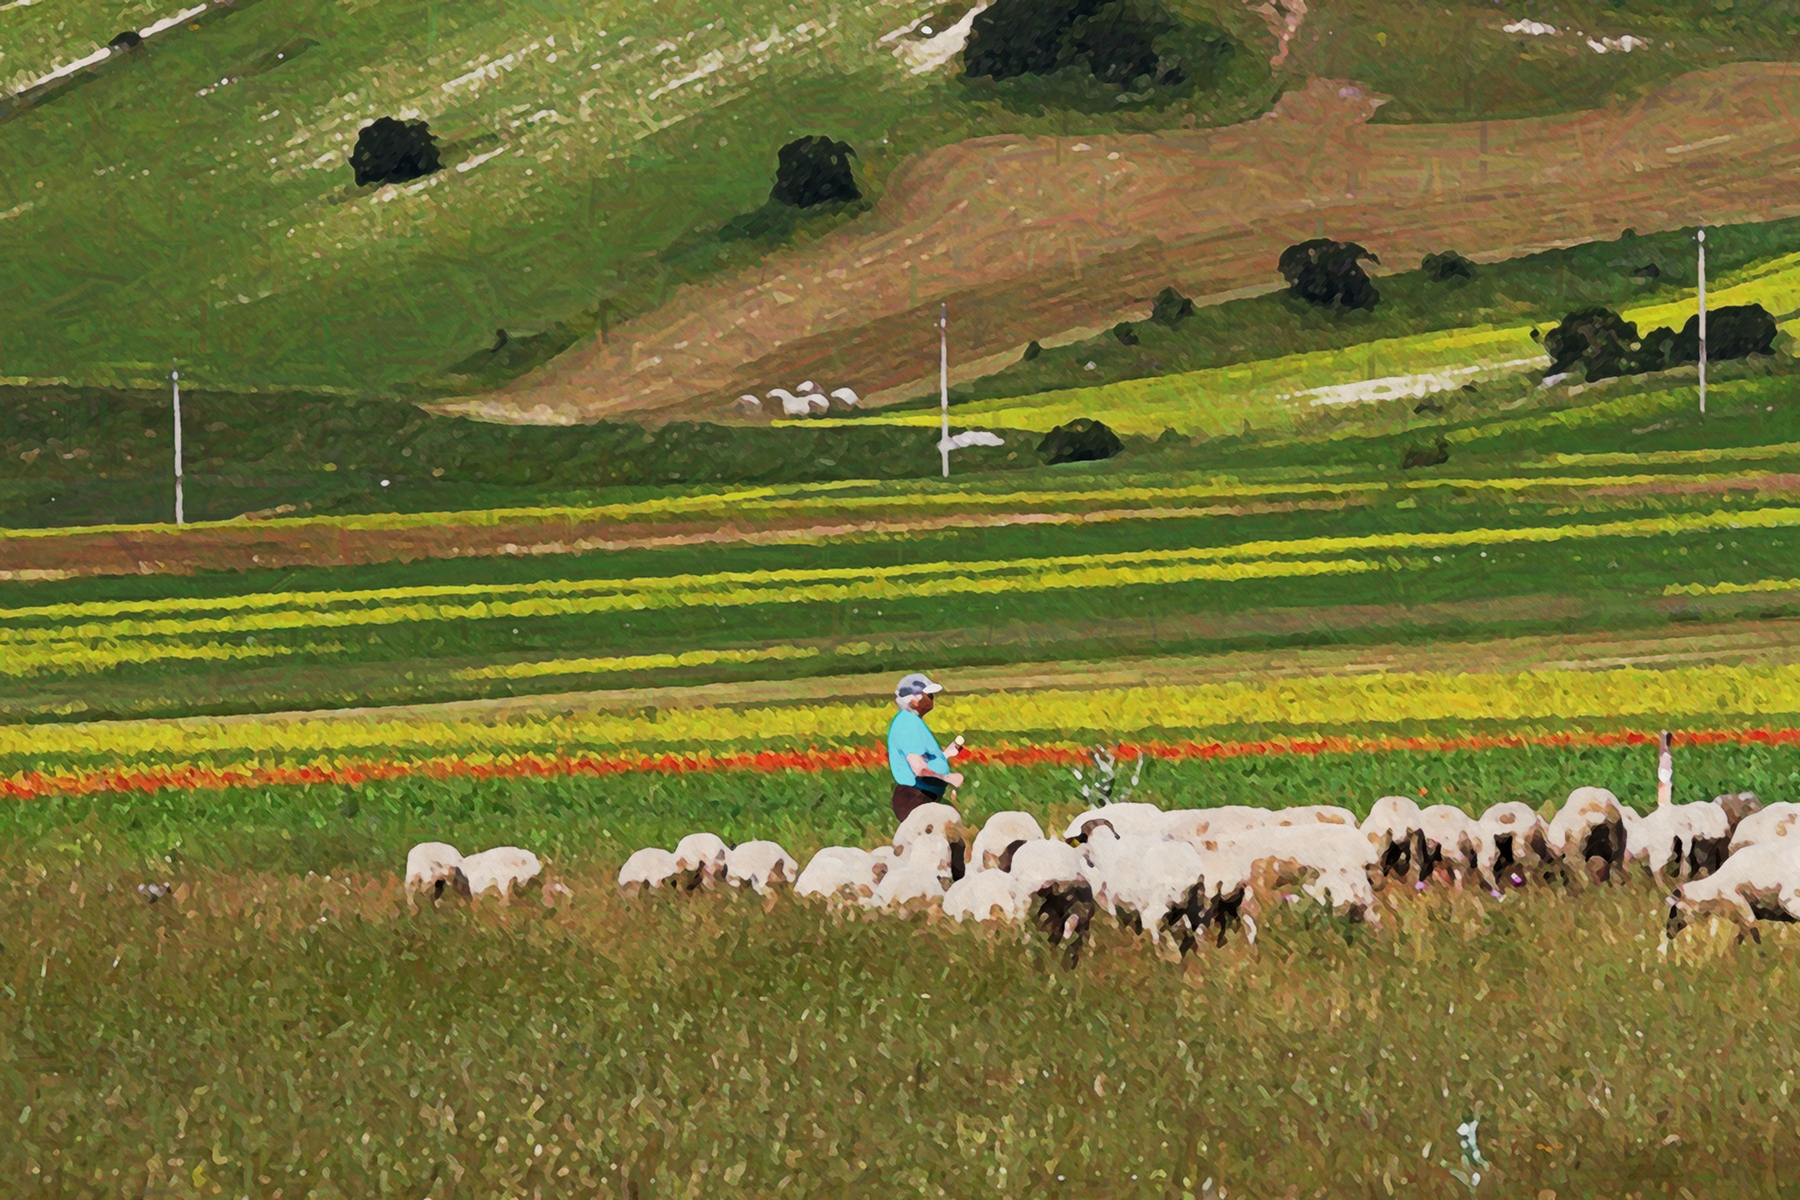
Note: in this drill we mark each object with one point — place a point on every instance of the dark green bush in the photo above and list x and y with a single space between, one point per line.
1171 308
1448 266
1328 273
391 151
811 171
1127 335
1080 440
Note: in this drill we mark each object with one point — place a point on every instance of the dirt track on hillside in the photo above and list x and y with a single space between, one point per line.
1030 237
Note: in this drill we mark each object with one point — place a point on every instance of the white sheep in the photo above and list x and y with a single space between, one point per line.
1779 820
791 405
1320 814
1195 825
1589 829
1760 882
986 895
759 864
1393 823
997 833
846 397
1453 838
500 870
1126 818
837 870
907 885
749 403
807 388
651 867
1694 838
438 866
1158 882
928 818
1037 865
1512 834
1322 859
701 857
931 852
1055 875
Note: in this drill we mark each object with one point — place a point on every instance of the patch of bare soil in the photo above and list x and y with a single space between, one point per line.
1030 237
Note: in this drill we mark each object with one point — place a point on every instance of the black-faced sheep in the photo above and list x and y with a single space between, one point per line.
1393 823
700 857
1514 838
1758 883
1589 830
649 868
1452 840
1693 839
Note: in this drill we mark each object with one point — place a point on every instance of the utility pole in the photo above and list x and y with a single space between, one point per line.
1700 240
175 383
944 382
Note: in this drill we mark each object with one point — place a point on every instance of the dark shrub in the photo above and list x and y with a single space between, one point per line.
1648 271
1032 350
130 39
390 151
1598 340
1117 41
1125 333
1426 456
814 170
1442 268
1081 440
1734 331
1171 308
1327 273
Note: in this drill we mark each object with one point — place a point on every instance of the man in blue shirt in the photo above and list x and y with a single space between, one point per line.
921 770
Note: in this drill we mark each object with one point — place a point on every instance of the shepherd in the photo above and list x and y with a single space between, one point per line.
921 770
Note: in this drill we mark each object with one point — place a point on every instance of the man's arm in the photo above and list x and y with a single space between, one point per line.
923 769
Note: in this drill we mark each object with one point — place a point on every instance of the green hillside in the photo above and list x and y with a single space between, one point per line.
191 198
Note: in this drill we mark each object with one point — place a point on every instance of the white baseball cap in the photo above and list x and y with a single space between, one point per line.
917 685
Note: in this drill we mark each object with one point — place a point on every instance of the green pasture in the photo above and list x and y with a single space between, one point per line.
312 1045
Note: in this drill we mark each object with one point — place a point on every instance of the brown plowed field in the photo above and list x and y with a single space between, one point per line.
1029 237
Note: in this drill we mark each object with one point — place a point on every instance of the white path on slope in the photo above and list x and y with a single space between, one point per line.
105 52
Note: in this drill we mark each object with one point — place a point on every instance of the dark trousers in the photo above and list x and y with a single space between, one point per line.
907 798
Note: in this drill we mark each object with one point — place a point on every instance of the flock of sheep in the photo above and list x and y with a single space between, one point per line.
803 401
1191 873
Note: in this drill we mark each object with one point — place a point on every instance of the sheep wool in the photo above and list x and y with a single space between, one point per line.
1197 824
997 833
1145 820
940 819
986 896
1693 838
761 865
1780 820
651 867
701 855
500 870
435 865
1760 882
1590 824
1393 824
838 871
1452 838
1512 833
907 886
1036 865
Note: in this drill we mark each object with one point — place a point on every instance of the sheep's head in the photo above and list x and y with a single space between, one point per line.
455 882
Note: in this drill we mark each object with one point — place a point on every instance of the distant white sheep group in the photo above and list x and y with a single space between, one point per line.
805 400
438 868
1183 875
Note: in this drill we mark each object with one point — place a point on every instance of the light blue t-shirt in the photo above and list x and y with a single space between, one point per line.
908 734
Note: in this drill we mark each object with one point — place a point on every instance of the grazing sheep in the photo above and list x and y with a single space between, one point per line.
935 820
1777 821
1589 829
985 896
438 866
807 388
933 852
1324 860
760 864
1693 838
1393 822
651 867
1511 832
1453 838
500 870
1320 814
749 403
700 857
1053 875
837 870
907 885
1159 883
846 397
1127 818
1737 806
791 405
1758 883
1000 831
1195 825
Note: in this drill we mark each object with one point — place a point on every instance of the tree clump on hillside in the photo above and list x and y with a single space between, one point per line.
1170 308
1118 42
1329 274
393 151
1080 440
1448 266
1604 344
811 171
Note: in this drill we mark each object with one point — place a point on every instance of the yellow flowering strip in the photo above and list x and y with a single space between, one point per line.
1304 705
738 589
1658 458
62 657
636 662
1732 589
